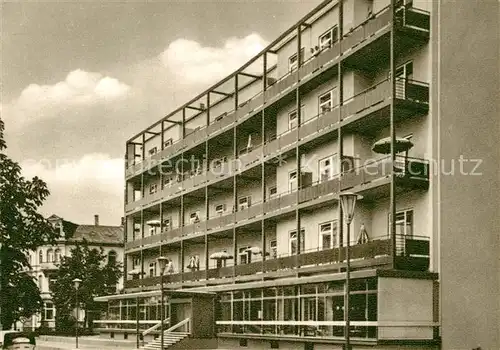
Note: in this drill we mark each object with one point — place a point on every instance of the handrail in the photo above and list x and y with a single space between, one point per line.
182 323
155 327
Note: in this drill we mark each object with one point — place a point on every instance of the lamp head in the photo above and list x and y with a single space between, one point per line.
348 203
162 262
77 282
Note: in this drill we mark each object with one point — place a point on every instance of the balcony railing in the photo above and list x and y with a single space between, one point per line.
407 16
406 168
412 253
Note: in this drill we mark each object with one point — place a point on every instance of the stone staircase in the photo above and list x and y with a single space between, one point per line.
169 339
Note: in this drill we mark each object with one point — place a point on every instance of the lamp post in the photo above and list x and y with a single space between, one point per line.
76 284
162 263
348 203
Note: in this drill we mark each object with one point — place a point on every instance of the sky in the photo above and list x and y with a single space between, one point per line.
79 78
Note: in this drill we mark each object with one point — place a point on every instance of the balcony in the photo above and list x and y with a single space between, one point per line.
411 22
371 179
412 253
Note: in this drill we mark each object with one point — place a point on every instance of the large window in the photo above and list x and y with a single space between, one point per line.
293 61
328 235
40 256
49 311
404 223
327 101
293 120
292 180
293 242
50 255
327 168
111 257
57 255
152 269
328 38
243 311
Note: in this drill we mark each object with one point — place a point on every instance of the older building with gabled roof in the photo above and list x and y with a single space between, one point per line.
45 259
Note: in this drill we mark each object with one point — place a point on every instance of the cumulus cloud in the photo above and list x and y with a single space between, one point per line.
92 183
195 63
79 89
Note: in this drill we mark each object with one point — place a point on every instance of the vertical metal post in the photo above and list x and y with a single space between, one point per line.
77 316
340 138
393 137
297 149
162 309
137 337
347 314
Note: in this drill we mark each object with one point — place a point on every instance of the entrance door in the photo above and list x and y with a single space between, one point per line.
179 311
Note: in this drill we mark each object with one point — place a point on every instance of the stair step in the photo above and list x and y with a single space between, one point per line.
169 338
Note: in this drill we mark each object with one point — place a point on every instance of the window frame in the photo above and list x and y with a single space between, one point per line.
292 239
153 188
334 37
404 221
332 167
333 234
330 101
293 61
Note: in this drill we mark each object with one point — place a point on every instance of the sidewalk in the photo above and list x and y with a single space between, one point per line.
47 345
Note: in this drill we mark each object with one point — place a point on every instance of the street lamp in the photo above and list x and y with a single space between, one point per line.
76 284
348 203
162 263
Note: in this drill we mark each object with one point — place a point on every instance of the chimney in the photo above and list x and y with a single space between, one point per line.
122 221
96 220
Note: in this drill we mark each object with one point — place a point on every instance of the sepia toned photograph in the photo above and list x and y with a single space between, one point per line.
250 174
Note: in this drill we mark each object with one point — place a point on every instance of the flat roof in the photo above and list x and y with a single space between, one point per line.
173 293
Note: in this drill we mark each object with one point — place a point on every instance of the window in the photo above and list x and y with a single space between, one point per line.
153 188
404 223
40 256
49 311
327 168
274 248
111 257
50 255
328 38
328 235
244 202
272 191
293 247
167 224
219 162
57 255
167 142
292 180
244 255
152 269
137 195
40 282
167 181
153 151
137 230
403 74
153 230
293 61
327 101
220 208
136 262
194 217
52 280
293 120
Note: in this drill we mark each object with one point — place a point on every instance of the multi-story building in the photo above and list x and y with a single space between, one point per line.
44 261
239 188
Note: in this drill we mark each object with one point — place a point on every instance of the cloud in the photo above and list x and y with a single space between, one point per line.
93 183
87 117
195 63
79 89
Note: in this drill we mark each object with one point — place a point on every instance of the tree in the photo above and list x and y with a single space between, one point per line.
22 229
99 277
